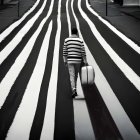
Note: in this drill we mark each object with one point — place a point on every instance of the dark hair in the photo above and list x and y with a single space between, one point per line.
74 31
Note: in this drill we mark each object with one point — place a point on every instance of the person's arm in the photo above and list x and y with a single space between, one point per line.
85 59
84 53
65 53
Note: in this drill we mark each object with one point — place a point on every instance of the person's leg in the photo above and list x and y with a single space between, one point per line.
72 76
77 70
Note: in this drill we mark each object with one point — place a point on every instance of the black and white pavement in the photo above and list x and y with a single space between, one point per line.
125 18
35 95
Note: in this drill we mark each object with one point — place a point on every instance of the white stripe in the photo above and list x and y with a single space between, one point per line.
68 18
20 128
48 125
116 110
14 71
19 36
83 127
127 71
121 35
7 31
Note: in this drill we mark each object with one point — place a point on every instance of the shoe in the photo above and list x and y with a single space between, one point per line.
74 94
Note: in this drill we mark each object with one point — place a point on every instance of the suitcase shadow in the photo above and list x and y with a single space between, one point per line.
102 122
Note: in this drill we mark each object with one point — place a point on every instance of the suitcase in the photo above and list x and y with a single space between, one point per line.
87 75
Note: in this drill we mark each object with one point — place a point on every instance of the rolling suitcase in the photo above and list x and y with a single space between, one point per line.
87 75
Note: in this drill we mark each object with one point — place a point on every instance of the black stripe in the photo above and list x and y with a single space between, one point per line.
102 122
130 56
13 100
8 62
64 120
38 121
124 90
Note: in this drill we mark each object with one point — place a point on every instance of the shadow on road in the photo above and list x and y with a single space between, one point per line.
103 124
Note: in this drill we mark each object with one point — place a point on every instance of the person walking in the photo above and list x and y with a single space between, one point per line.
73 55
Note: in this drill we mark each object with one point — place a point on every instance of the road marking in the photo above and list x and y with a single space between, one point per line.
8 30
83 127
68 17
122 121
126 70
14 71
19 36
20 128
49 120
133 45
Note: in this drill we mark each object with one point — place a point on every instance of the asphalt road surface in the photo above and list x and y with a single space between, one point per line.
35 94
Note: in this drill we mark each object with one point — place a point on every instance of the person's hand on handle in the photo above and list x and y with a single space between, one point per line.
66 64
85 61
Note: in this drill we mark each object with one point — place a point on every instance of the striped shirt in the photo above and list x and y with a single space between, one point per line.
73 50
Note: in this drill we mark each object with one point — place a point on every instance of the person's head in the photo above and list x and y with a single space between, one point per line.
74 31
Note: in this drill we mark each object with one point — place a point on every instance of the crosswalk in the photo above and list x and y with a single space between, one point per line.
35 95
